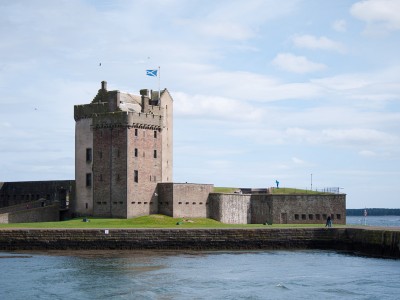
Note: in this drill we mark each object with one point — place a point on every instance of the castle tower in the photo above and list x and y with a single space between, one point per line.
123 148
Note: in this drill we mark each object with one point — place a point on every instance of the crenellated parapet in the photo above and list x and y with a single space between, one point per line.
127 119
87 111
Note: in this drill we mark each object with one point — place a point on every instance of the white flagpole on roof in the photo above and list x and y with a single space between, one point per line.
159 89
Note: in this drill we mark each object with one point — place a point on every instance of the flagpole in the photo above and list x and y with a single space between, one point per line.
159 90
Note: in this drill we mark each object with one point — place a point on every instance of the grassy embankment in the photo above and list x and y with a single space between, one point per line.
161 221
152 221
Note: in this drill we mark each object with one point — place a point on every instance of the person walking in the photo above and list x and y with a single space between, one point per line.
328 222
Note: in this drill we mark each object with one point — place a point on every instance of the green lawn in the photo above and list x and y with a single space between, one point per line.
294 191
227 190
276 191
152 221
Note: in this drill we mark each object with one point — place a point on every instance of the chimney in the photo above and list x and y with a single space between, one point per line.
104 85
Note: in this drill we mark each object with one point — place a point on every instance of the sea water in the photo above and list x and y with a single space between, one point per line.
311 274
384 221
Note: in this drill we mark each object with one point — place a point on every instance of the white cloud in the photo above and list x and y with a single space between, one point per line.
340 25
298 161
218 108
237 20
321 43
296 64
367 153
380 15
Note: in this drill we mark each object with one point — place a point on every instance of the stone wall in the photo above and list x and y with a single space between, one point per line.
277 209
380 242
230 208
308 209
49 213
19 193
187 200
83 166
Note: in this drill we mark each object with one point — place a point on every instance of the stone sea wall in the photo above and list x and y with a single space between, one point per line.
379 242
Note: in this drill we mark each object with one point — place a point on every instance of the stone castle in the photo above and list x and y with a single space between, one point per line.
123 169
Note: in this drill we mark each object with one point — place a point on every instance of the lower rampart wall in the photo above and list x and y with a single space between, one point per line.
377 242
50 213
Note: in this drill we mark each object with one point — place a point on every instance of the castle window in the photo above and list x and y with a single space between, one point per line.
136 176
101 154
86 205
136 132
324 216
296 217
136 152
139 203
155 154
155 134
338 216
194 203
200 203
179 202
187 202
88 154
118 177
101 177
133 202
118 153
88 179
303 217
310 216
120 202
145 202
318 216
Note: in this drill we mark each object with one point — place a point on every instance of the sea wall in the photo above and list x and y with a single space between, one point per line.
377 242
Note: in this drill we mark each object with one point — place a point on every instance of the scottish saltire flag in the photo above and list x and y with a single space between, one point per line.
152 73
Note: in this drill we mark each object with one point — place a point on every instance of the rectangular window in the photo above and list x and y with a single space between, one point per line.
338 216
101 154
101 177
136 152
155 154
136 176
318 216
310 216
296 216
136 132
155 134
88 154
118 153
303 217
88 179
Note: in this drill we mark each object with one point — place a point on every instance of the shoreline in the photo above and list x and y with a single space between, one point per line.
371 241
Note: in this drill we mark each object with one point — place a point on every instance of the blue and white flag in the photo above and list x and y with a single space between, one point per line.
152 73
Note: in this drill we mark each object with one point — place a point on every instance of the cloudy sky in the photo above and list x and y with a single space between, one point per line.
263 90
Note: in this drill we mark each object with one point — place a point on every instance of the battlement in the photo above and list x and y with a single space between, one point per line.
127 119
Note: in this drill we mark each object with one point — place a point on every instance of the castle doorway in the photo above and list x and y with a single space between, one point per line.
284 219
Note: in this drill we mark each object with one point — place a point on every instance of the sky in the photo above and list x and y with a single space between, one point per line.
306 92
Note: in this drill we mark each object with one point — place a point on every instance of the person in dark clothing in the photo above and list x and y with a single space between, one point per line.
328 222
